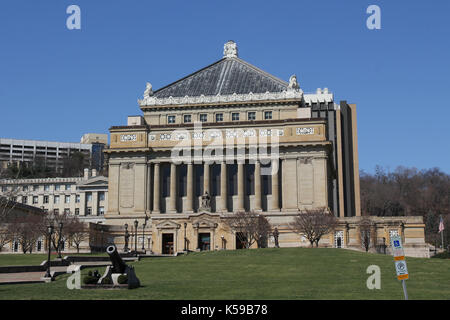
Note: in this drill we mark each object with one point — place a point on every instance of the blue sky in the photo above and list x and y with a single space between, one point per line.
56 84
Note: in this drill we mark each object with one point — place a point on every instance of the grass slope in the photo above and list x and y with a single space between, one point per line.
288 273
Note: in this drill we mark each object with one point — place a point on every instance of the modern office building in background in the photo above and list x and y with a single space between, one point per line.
52 153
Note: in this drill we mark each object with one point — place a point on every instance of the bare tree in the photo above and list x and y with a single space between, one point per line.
5 237
409 192
249 227
8 197
55 220
313 224
76 232
26 230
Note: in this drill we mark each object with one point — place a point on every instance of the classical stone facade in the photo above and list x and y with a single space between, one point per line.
85 197
231 137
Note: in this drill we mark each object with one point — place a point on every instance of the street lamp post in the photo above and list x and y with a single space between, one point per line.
127 236
143 236
185 225
59 240
50 231
135 236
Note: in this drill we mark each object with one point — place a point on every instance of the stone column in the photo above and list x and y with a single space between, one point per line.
148 184
94 210
173 189
206 178
190 188
156 188
257 186
275 205
240 186
223 186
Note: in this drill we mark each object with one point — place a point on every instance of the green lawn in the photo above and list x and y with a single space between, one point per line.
288 273
19 259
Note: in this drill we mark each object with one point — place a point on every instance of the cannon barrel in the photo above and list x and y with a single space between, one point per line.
118 265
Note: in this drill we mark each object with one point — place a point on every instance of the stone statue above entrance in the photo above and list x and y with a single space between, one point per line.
206 202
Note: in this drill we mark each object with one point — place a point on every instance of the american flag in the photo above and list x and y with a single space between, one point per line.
441 225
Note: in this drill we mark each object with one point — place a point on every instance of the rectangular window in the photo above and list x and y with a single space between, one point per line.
88 196
170 119
251 116
56 199
4 188
25 188
45 199
57 187
219 117
66 210
67 199
46 187
77 198
235 116
267 115
24 199
35 187
68 187
35 199
203 117
88 211
56 211
101 196
187 118
101 211
77 211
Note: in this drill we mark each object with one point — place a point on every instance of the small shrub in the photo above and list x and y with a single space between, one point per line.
90 280
122 279
442 255
106 280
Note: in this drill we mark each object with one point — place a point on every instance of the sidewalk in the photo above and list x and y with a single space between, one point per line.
22 277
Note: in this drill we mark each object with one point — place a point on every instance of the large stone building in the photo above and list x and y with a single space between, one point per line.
231 137
85 197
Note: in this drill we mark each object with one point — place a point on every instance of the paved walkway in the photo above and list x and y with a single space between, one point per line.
21 277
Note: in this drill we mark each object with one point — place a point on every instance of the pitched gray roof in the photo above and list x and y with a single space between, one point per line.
226 76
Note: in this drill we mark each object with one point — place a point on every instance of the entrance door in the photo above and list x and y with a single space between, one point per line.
167 243
204 241
339 239
241 240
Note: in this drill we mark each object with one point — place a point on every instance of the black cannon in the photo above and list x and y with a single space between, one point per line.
118 266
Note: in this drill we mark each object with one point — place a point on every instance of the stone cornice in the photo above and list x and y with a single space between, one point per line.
290 94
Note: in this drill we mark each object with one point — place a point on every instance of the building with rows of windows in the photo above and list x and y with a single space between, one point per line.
85 197
53 154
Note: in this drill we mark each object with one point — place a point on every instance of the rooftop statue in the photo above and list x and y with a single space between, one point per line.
293 84
230 50
148 90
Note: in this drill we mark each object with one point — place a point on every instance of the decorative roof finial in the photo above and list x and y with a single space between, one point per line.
293 84
230 50
148 90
